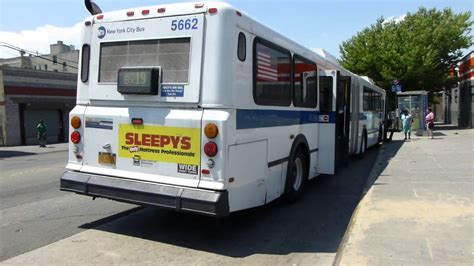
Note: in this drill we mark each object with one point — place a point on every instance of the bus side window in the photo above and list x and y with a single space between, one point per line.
366 99
305 82
325 94
241 47
271 74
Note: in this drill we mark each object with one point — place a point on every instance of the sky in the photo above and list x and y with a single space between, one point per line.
34 24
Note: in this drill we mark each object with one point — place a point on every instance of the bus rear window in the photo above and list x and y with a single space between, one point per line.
171 54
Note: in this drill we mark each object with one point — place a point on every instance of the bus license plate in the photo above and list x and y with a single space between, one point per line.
107 158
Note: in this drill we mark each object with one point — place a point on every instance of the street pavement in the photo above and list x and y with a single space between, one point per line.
33 212
307 232
12 151
419 209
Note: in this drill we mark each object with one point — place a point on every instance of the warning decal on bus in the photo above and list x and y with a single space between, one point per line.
160 143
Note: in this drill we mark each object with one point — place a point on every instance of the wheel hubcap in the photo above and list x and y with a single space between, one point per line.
297 173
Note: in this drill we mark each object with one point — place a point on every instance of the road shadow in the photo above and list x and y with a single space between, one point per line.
8 154
386 154
316 223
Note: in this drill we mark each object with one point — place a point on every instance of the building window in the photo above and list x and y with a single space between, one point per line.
271 74
64 64
45 67
304 82
55 59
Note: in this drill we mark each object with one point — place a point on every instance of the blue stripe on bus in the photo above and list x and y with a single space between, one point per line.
273 118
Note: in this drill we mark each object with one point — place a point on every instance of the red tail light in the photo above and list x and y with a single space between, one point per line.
130 13
212 10
161 10
75 137
210 149
100 17
145 12
137 121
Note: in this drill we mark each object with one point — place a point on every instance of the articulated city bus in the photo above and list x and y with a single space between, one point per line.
199 108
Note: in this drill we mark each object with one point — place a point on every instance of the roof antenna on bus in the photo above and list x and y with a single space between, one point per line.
93 8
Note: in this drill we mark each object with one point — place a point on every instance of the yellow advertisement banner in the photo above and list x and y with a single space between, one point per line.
160 143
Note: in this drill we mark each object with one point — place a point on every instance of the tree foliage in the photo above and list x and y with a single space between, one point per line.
418 50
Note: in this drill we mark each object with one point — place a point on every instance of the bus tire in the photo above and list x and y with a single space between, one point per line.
363 145
296 175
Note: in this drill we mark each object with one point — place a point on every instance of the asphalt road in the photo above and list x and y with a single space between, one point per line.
34 213
307 232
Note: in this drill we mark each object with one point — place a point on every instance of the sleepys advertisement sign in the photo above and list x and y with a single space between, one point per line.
160 144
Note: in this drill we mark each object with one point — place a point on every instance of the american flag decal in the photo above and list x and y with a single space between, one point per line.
266 69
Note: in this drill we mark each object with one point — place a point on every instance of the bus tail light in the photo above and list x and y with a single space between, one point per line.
137 121
75 137
212 10
211 130
161 10
210 149
130 13
76 122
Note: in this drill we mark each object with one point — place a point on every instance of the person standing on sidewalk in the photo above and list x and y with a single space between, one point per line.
406 122
41 130
430 122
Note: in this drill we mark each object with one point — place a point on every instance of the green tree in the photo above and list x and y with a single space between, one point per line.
418 50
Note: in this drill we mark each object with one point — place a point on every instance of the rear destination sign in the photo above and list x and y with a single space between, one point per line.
160 143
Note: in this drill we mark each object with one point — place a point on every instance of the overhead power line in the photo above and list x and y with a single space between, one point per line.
35 55
32 52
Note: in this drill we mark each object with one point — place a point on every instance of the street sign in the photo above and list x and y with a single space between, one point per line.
398 88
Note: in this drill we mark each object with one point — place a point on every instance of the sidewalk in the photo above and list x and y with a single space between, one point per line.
6 152
419 206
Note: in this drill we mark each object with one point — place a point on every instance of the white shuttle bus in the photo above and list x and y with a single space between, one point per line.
200 108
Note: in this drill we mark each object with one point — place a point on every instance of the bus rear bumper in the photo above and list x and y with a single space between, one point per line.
207 202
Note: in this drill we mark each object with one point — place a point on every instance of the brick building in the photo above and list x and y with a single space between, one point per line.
34 87
28 95
458 102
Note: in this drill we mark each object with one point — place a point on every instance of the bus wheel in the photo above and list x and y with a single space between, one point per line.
296 176
363 146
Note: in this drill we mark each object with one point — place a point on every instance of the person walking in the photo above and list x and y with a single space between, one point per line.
430 122
41 132
406 122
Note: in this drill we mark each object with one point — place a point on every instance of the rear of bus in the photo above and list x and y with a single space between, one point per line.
137 133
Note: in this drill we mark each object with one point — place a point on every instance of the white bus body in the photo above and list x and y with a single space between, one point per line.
284 114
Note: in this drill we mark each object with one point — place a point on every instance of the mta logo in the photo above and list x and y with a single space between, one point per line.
102 32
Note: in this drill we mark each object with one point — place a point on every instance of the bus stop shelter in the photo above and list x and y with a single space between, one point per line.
416 102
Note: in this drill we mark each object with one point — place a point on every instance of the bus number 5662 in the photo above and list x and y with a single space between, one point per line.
184 24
